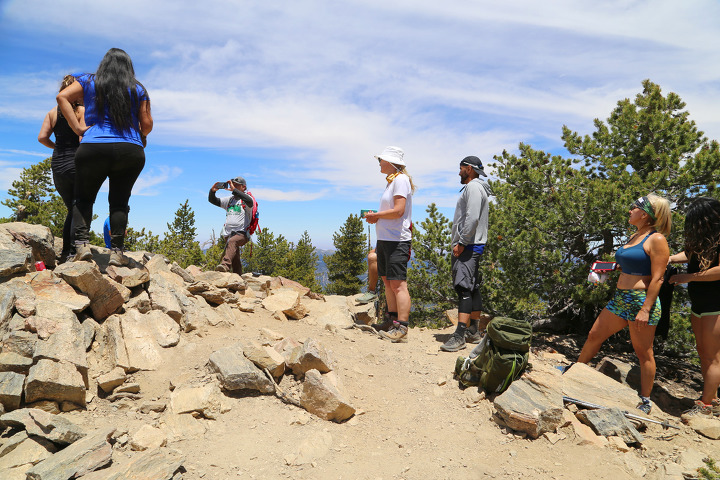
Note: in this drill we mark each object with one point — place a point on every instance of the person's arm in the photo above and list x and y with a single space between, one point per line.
80 111
397 211
145 118
47 128
212 198
471 217
678 258
247 199
659 254
65 99
709 275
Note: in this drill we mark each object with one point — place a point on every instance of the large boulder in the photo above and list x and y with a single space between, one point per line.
286 300
236 372
84 456
23 244
58 381
106 296
50 287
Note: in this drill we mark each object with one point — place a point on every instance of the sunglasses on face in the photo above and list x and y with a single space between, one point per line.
644 204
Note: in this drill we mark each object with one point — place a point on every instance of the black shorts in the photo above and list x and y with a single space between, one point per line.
704 298
465 270
392 259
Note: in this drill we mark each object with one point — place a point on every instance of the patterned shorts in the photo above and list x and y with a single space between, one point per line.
627 303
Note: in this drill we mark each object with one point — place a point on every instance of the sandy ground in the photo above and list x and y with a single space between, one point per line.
413 421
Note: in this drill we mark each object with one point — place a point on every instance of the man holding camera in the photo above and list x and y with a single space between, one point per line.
236 221
469 235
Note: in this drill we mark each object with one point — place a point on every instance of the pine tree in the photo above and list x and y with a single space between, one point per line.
555 215
214 254
137 241
266 254
303 263
179 244
33 198
429 275
348 262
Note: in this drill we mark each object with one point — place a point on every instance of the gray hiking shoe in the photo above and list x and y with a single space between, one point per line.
645 407
397 334
82 253
454 343
366 297
117 259
474 337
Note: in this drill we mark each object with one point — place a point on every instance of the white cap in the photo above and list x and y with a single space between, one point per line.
393 155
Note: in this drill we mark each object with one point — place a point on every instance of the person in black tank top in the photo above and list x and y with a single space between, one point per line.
63 159
702 252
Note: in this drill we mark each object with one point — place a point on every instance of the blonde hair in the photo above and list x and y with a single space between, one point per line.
402 169
66 82
661 208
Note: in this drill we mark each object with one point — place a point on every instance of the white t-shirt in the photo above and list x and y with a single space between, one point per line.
398 229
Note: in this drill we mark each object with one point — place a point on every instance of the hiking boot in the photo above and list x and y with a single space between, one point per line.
702 409
474 337
117 259
82 253
454 343
366 298
385 326
397 334
222 268
698 410
645 406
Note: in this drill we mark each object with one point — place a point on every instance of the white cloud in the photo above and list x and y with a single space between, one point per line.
150 179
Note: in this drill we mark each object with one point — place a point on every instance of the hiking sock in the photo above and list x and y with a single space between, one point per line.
645 400
460 329
393 316
473 327
405 324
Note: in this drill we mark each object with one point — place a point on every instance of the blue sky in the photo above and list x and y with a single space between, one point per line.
297 96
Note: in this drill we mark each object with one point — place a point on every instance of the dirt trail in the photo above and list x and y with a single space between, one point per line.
413 422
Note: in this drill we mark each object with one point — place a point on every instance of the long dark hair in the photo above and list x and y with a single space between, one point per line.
115 90
702 230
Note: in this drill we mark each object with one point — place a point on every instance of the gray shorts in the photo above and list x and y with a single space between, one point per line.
465 270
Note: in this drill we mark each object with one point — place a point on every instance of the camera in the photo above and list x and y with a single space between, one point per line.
220 185
603 267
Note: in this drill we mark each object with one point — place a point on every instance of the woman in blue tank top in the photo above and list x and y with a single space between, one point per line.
635 304
118 118
702 254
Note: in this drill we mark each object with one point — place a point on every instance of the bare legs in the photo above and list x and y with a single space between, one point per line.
398 298
642 338
707 341
372 271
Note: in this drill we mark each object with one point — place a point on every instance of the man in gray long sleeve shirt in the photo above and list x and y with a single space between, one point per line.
236 221
469 235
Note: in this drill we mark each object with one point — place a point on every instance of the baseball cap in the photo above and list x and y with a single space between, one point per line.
239 181
475 163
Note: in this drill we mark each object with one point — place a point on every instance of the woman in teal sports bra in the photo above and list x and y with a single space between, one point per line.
635 303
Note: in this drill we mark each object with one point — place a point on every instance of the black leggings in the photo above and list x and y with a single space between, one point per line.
122 163
65 186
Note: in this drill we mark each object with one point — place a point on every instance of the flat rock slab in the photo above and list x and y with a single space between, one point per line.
105 295
164 296
286 300
129 277
14 362
58 381
50 287
66 339
84 456
40 423
321 397
28 450
611 422
156 464
583 382
139 337
705 426
264 356
230 281
533 403
204 399
11 387
236 372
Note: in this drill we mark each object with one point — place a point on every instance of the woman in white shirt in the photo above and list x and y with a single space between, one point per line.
393 228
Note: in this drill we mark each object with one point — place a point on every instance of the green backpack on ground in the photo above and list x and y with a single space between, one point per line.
499 358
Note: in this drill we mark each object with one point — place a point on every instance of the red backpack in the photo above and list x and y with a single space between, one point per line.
254 222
